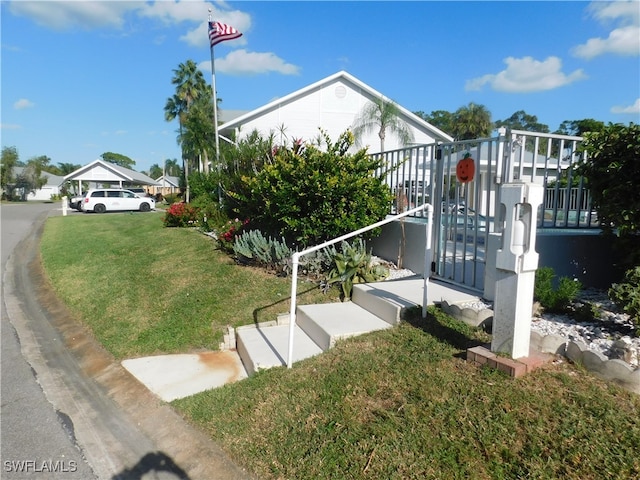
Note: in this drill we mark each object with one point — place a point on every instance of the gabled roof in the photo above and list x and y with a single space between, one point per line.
52 180
107 172
168 181
346 77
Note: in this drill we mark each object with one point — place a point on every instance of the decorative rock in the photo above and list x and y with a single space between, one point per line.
574 351
593 360
622 349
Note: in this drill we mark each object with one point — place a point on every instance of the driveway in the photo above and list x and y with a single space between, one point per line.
66 404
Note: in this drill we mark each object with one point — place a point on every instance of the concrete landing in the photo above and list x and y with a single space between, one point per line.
176 376
408 292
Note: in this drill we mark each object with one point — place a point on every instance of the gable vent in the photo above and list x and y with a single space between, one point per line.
340 91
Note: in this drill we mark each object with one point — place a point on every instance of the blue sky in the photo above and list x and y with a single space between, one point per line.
81 78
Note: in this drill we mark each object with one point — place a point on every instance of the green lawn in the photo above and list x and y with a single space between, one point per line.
145 289
400 403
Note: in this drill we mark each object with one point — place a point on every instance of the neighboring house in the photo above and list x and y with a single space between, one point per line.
166 185
331 104
49 189
99 173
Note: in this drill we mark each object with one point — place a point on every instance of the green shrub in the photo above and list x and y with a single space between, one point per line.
171 198
203 186
353 265
245 159
626 295
209 217
554 299
308 195
612 168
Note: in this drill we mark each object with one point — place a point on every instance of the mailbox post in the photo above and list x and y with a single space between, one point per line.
516 264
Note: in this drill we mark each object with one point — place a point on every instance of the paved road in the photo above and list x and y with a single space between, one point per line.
68 409
34 433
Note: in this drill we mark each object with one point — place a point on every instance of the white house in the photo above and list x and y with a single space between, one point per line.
331 104
100 172
166 185
48 190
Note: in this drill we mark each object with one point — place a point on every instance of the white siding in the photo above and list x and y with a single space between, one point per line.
332 107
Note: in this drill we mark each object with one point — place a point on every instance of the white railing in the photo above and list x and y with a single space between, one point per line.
295 260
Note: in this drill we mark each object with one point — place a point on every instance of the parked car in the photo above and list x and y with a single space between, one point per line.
100 200
75 201
141 192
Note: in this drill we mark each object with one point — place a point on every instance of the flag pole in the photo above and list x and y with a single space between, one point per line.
215 116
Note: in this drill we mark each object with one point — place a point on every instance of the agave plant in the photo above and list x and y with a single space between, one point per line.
353 265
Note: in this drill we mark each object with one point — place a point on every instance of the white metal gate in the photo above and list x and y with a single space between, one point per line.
465 214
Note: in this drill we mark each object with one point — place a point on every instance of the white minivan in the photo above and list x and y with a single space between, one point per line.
100 200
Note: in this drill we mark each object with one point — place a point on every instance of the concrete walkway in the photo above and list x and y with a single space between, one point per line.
264 346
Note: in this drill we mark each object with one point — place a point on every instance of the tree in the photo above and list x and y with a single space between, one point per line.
172 168
9 160
612 168
198 134
155 171
190 84
472 121
118 159
31 178
382 115
580 127
440 119
521 120
67 168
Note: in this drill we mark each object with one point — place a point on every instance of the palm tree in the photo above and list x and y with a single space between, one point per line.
190 85
171 167
198 136
472 121
382 115
67 168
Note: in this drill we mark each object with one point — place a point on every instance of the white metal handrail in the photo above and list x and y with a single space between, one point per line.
295 260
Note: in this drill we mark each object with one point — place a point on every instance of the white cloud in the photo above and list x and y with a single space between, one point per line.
525 74
67 14
176 12
241 62
63 15
197 11
633 109
23 103
10 126
622 40
628 11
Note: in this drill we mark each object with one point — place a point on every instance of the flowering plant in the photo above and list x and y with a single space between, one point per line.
180 215
230 231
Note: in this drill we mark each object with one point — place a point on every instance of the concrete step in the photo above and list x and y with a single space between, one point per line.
375 306
328 322
262 347
382 306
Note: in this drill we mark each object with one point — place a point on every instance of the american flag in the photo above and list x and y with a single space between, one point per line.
219 32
